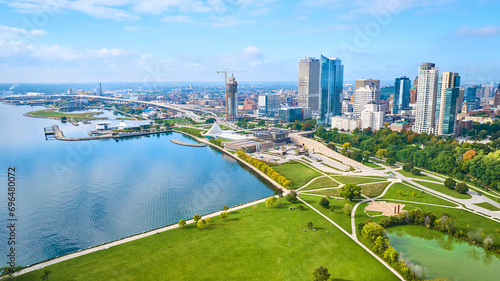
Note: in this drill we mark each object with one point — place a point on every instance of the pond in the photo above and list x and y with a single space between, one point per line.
442 255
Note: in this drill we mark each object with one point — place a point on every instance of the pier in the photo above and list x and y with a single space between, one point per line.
179 142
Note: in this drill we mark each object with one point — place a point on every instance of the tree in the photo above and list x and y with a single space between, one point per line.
382 153
415 171
321 274
270 201
324 202
309 224
400 192
225 208
223 215
350 190
390 254
391 161
200 224
347 209
196 218
182 222
450 183
372 230
462 188
292 197
346 146
413 194
210 120
408 167
380 244
366 156
208 220
468 155
332 208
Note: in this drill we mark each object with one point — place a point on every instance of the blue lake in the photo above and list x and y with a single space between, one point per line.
73 195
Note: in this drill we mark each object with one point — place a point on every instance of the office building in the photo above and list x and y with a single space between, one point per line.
309 69
496 101
290 114
447 113
346 107
269 104
426 98
232 99
366 90
372 117
331 85
401 99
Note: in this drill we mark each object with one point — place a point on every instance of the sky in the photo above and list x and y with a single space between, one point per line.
56 41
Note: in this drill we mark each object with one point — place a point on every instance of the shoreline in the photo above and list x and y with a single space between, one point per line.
107 245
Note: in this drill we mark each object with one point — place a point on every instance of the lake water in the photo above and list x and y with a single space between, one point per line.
443 255
73 195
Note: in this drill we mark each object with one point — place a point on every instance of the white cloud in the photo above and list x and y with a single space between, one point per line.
467 31
178 19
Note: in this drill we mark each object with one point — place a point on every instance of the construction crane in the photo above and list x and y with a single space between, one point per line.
225 71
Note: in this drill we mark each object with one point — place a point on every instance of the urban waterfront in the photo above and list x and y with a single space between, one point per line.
74 195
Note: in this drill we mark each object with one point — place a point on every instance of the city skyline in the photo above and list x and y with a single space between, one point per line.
154 41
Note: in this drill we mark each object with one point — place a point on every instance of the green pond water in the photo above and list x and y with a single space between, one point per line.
442 255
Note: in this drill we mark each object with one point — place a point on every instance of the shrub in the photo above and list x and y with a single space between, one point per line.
300 207
292 197
309 224
415 171
372 230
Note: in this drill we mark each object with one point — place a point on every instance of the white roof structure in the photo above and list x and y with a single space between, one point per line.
217 133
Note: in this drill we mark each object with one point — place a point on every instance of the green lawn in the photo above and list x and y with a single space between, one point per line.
487 206
421 176
373 190
441 188
335 192
392 193
50 113
298 173
262 244
371 165
337 215
357 180
174 121
323 182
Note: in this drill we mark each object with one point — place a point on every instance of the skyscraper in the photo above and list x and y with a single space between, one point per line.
309 69
496 101
269 104
232 99
426 98
450 91
366 90
332 80
401 94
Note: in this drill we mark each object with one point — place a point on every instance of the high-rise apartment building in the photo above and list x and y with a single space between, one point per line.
372 116
401 95
426 98
309 69
366 90
331 83
447 113
232 99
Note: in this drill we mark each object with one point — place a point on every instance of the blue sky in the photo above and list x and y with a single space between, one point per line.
189 40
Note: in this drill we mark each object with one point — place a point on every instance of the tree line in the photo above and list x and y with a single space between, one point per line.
263 167
476 162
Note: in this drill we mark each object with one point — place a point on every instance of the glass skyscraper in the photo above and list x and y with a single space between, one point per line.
401 94
332 81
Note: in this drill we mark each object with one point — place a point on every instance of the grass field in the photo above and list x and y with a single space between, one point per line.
50 113
392 193
441 188
421 176
323 182
174 121
373 190
262 244
487 206
298 173
357 180
335 192
337 215
371 165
